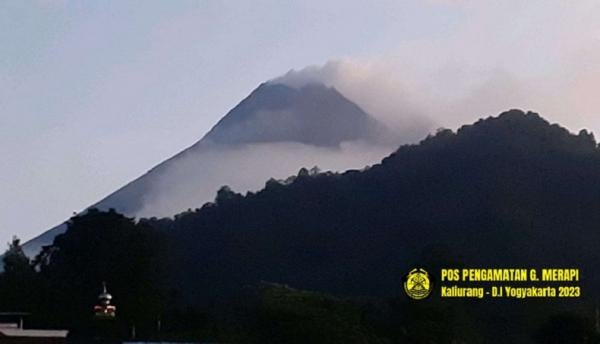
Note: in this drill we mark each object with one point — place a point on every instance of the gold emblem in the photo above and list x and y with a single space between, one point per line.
417 284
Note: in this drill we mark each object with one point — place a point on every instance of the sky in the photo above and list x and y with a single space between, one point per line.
94 94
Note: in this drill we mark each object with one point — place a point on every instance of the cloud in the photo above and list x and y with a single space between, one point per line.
538 55
542 56
195 177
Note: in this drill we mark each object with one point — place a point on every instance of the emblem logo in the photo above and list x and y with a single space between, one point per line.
417 284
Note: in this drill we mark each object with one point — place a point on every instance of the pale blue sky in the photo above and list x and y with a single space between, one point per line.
93 94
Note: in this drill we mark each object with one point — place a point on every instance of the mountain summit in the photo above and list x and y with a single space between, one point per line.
275 121
312 114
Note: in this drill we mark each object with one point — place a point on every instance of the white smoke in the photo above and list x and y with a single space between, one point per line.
380 93
195 178
539 55
417 103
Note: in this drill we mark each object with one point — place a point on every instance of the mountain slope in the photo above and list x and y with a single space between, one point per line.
293 119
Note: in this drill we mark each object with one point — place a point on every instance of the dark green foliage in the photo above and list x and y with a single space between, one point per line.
17 282
568 328
106 246
481 196
14 260
507 191
511 191
281 314
97 247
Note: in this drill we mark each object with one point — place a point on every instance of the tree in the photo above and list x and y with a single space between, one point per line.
15 261
18 281
106 246
225 195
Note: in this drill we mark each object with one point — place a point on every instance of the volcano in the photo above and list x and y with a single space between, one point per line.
295 126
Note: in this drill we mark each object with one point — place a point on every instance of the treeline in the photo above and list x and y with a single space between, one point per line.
60 291
507 191
59 288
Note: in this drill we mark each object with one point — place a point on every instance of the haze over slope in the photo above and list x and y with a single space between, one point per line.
275 131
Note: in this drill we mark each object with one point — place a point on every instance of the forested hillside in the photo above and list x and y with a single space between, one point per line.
511 190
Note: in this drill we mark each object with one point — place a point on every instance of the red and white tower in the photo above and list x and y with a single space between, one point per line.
104 309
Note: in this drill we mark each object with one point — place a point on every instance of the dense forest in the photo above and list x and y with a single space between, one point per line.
319 257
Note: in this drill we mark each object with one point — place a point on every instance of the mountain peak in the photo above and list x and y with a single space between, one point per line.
311 114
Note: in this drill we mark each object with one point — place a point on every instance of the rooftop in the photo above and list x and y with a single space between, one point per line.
16 332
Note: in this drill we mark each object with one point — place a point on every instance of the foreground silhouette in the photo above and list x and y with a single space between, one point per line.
507 191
